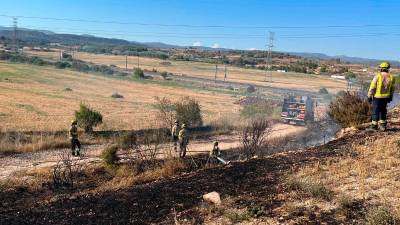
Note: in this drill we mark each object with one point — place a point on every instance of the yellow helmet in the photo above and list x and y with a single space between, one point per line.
384 65
73 122
215 143
183 125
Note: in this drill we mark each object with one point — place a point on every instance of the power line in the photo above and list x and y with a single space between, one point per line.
199 26
233 36
270 45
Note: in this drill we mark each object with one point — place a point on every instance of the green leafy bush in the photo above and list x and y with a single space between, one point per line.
138 73
251 89
164 75
188 111
350 109
88 118
117 95
109 155
323 91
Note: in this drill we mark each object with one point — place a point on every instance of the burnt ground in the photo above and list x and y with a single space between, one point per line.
252 182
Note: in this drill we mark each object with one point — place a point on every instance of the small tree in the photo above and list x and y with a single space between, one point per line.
166 111
188 111
139 74
252 136
88 118
350 109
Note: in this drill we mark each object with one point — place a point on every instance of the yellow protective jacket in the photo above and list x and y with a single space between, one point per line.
381 88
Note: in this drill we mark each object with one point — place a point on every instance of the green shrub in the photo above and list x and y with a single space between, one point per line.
250 89
88 118
138 73
67 89
381 216
164 75
109 155
62 65
350 110
315 190
188 111
323 91
340 93
117 95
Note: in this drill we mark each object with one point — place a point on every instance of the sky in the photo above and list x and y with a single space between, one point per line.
361 28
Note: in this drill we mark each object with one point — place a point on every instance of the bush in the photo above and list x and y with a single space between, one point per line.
117 95
251 89
253 135
313 189
323 91
164 75
350 75
340 93
188 111
138 73
350 110
109 155
62 65
381 216
68 89
88 118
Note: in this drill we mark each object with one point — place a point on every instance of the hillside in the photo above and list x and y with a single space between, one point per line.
43 98
351 180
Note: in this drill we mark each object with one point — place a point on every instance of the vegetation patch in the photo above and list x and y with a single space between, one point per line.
351 109
315 190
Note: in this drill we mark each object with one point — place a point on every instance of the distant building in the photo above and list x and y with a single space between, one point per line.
339 77
281 71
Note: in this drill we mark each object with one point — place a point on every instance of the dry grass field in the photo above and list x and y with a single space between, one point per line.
35 98
299 81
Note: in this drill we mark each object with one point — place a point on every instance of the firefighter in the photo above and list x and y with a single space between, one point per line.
183 141
215 151
215 154
380 94
175 134
73 136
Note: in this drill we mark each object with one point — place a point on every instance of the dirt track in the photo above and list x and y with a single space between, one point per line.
27 161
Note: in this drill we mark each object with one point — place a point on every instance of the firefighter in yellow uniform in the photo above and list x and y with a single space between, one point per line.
183 141
380 94
73 136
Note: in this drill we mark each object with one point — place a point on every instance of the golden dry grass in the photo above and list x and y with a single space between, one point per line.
369 172
33 98
281 80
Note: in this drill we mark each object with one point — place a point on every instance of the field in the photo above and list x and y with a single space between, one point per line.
299 81
36 98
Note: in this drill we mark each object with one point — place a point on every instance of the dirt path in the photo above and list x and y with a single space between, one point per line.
16 163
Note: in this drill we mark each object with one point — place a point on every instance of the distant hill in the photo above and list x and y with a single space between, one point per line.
343 58
43 37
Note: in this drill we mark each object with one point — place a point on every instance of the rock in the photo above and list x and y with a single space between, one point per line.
213 197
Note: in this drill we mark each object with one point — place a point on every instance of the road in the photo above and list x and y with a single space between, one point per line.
20 163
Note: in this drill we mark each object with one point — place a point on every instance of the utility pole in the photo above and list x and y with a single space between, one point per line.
126 63
226 74
268 75
138 61
216 72
15 26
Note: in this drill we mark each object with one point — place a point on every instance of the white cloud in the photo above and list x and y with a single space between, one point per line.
252 49
216 45
197 44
